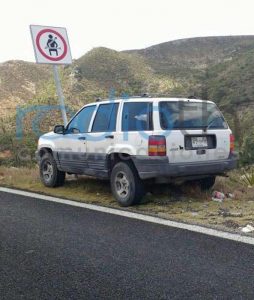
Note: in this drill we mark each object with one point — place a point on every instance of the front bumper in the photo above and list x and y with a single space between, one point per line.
153 167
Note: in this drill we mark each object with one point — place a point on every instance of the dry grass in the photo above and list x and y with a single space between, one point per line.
182 203
84 189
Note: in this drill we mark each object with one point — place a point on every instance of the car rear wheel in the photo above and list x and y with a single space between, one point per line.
207 183
126 186
49 174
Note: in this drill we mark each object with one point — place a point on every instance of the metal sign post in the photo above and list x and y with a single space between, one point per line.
60 94
51 46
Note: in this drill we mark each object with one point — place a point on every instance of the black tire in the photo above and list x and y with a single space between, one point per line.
126 186
207 183
49 174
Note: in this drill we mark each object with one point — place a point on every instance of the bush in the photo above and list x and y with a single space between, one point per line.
247 151
20 152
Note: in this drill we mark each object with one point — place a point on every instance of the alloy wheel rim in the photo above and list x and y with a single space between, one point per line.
122 184
47 171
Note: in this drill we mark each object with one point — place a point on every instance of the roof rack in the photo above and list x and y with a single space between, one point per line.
159 95
147 95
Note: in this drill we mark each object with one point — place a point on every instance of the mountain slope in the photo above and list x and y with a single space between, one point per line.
194 53
176 68
126 73
19 82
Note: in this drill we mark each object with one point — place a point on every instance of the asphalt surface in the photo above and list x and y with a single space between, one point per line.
56 251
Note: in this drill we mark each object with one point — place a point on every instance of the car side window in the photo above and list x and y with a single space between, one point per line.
105 119
137 116
80 123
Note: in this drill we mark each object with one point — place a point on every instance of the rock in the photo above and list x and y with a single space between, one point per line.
248 228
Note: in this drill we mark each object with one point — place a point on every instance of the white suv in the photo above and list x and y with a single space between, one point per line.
130 141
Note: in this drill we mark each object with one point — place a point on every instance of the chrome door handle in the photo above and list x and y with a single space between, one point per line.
109 137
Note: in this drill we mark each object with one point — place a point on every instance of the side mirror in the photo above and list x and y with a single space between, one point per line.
59 129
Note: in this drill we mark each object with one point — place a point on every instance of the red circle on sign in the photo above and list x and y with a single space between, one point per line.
41 50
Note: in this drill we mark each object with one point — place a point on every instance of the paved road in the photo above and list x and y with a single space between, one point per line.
55 251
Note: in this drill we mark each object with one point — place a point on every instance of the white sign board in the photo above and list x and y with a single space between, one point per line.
51 45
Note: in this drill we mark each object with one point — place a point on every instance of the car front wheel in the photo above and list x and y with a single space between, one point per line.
49 174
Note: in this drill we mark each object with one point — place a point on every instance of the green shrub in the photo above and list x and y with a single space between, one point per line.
248 177
247 150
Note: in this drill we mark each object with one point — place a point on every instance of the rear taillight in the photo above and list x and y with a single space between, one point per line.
157 145
232 143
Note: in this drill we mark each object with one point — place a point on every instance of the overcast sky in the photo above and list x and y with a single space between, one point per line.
120 24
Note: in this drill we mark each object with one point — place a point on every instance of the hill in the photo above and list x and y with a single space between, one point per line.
179 67
194 53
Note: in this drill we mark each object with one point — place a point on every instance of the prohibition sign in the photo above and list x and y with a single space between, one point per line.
42 51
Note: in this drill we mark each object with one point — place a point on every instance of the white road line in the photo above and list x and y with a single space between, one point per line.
137 216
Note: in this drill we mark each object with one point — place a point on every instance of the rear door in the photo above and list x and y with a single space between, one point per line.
195 131
135 128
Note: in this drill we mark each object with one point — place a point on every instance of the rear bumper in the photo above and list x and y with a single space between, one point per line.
152 167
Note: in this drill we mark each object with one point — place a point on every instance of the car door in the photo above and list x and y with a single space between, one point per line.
136 127
71 147
101 139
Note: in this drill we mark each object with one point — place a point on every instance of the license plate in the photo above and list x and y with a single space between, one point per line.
199 141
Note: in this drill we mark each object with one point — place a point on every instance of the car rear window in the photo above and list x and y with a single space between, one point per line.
190 115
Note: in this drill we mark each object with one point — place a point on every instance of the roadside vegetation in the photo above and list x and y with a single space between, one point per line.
186 203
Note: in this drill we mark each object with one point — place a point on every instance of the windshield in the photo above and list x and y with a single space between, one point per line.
190 115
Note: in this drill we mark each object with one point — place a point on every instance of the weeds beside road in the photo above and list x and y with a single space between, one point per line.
184 203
